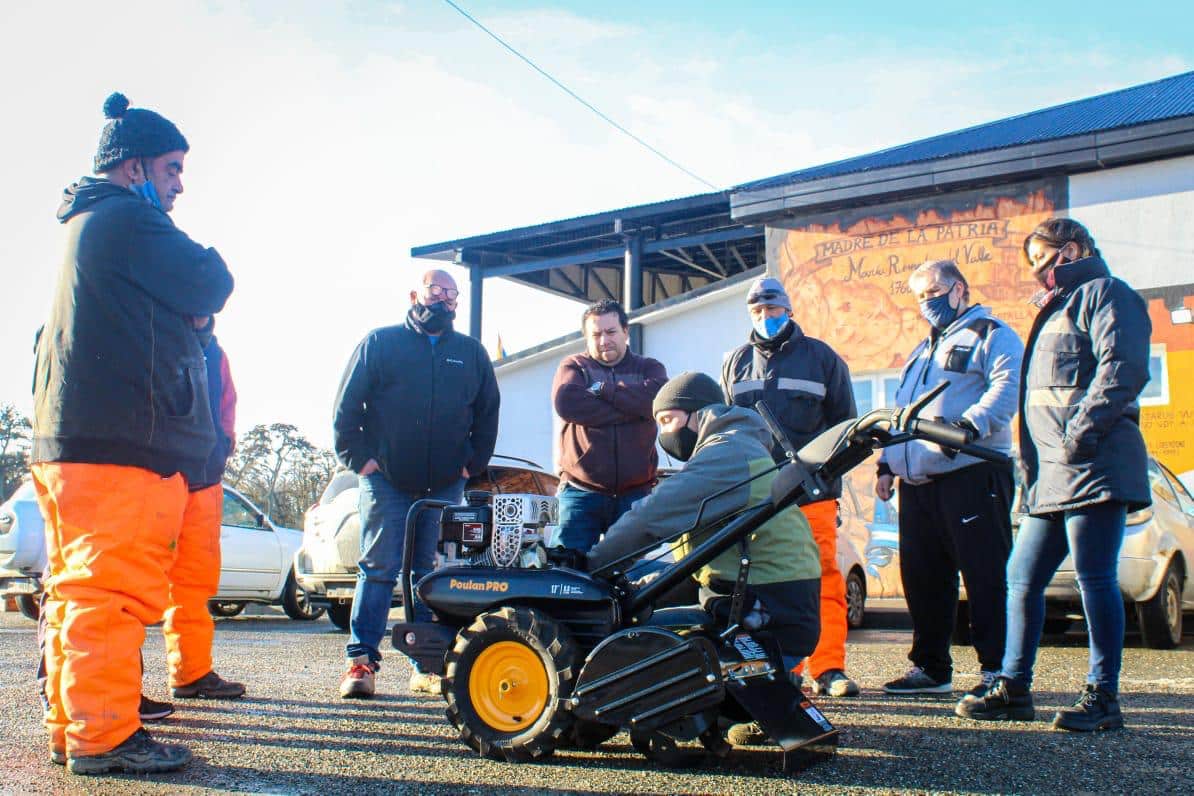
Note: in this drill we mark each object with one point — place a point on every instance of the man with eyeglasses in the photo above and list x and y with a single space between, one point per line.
416 415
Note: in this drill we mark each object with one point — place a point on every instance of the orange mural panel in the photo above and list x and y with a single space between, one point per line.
848 276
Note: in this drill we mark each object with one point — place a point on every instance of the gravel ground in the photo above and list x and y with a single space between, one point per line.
292 734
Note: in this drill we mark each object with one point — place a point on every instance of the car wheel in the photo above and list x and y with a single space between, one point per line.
505 680
340 613
224 610
29 605
1057 626
1161 617
295 602
855 598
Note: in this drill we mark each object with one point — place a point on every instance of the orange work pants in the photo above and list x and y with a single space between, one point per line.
194 579
831 647
110 538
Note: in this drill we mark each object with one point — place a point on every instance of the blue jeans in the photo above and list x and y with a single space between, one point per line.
383 512
1093 535
585 515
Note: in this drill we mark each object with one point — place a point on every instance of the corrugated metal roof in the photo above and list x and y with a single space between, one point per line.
1151 102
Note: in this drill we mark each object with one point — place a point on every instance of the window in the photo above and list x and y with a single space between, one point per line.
1160 484
875 390
1183 495
1156 391
238 513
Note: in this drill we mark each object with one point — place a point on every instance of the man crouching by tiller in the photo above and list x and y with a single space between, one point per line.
723 446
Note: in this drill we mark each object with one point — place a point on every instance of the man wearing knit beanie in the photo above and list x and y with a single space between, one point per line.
806 385
122 427
727 453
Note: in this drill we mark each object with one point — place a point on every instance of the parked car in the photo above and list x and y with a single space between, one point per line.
326 563
256 558
1154 568
849 562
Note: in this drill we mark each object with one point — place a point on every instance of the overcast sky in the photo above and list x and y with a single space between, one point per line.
328 138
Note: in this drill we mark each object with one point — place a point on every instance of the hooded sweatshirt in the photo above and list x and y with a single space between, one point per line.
120 376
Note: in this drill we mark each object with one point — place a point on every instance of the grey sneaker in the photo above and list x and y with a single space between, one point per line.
209 686
915 681
986 680
424 683
57 755
140 754
360 680
834 683
746 734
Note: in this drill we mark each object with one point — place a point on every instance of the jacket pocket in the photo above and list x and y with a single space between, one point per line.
957 359
179 396
802 413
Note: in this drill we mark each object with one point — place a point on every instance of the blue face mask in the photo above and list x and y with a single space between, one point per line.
938 312
770 327
147 192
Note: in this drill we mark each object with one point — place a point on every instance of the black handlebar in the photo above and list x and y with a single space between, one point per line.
941 433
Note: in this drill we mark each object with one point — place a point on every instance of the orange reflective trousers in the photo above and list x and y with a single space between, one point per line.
831 647
111 533
194 579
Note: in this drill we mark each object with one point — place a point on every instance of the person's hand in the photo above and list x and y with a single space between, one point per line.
370 467
464 472
883 486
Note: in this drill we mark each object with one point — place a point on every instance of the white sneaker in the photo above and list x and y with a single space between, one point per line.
425 683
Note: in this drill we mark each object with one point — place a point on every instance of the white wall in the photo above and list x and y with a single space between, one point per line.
692 335
1142 218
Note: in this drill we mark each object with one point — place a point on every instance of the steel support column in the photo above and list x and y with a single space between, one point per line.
632 288
476 280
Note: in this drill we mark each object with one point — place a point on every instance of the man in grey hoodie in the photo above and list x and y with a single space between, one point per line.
955 510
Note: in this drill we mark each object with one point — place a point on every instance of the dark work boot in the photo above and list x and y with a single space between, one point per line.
139 754
1095 709
1005 700
209 686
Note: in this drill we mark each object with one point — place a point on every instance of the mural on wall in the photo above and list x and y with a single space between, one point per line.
847 274
1167 410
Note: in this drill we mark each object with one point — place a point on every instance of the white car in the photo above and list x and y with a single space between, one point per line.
1154 567
255 557
326 564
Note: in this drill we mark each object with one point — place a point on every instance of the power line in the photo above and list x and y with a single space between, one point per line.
576 96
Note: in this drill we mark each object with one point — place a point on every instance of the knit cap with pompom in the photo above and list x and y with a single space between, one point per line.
134 133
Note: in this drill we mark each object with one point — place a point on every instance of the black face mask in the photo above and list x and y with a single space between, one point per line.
433 318
678 444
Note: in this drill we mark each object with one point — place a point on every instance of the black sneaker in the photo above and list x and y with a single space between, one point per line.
986 680
1095 709
917 681
209 686
1005 700
152 710
140 754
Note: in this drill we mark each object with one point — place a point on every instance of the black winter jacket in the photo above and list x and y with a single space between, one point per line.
803 381
120 376
1085 364
422 411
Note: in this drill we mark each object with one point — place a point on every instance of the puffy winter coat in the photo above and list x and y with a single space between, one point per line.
1085 365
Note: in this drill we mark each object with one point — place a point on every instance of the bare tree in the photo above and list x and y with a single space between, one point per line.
15 431
264 457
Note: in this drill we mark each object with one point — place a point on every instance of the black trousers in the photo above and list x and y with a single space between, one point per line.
958 522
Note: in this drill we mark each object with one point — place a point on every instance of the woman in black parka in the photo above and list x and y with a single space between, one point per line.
1084 468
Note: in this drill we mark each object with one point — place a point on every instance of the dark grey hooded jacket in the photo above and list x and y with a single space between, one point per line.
1085 364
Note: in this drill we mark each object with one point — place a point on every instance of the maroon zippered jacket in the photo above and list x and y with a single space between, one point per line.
607 443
